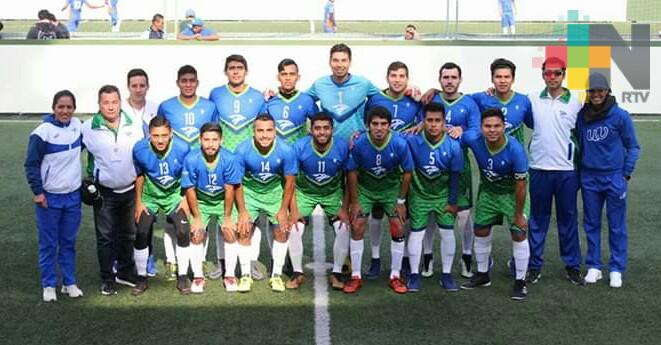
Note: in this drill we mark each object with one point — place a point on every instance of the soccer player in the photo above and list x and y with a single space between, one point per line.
159 162
439 160
114 14
322 162
210 177
506 9
238 104
343 94
503 185
270 171
289 107
330 26
405 117
379 174
609 151
75 9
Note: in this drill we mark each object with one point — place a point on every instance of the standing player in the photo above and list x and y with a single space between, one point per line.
114 14
380 167
405 117
270 171
439 161
503 173
507 9
343 94
159 163
330 26
75 9
210 177
322 162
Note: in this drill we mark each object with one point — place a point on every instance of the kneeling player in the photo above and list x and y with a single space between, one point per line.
503 185
159 162
270 170
380 167
438 161
210 178
322 162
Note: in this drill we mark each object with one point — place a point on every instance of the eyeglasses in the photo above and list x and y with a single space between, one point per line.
552 73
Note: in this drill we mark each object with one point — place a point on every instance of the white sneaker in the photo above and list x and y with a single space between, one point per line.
72 290
616 279
593 276
197 286
49 294
231 284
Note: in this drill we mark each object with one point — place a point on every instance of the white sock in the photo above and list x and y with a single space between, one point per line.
356 257
482 252
376 234
140 257
521 253
231 256
465 226
245 253
278 253
196 259
448 248
296 246
183 259
396 254
169 234
255 243
220 245
416 240
340 245
428 240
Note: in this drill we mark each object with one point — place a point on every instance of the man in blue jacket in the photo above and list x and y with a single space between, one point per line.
609 151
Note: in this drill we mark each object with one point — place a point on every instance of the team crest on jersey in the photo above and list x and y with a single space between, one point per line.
397 124
340 108
430 170
189 131
213 188
491 175
377 171
237 118
265 176
285 124
165 180
319 178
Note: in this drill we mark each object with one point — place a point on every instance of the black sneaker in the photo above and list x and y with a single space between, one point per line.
519 290
125 279
479 279
108 288
533 276
183 285
140 286
575 277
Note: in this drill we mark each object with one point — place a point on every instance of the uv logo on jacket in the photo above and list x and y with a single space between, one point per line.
596 134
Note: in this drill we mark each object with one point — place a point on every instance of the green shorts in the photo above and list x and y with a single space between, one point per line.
306 204
491 208
268 204
167 204
419 210
387 199
208 211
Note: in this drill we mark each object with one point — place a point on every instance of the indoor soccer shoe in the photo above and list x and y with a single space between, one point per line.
335 281
276 283
480 279
397 285
466 260
374 269
152 271
108 288
593 276
140 286
49 294
414 284
245 284
616 279
72 290
230 284
296 280
197 286
533 276
519 290
574 276
353 285
448 283
183 284
428 266
255 272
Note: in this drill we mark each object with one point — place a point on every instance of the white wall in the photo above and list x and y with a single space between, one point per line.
605 10
31 74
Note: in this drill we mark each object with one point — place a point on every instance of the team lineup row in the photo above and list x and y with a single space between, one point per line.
356 167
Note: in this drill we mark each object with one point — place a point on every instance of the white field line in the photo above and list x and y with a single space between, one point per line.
321 314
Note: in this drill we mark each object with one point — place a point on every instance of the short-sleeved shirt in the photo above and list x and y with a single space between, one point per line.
291 114
517 111
433 165
209 179
462 112
501 168
186 120
162 172
236 112
321 174
406 112
264 174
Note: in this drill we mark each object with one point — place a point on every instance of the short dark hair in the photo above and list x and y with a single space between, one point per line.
186 69
381 112
321 116
235 58
397 65
411 26
43 14
136 72
502 63
340 48
63 93
449 65
159 121
286 62
109 89
554 60
493 112
264 117
211 127
156 17
433 107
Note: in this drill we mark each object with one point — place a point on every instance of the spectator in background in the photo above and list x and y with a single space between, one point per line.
411 33
47 28
114 15
507 9
62 29
330 26
75 8
188 22
198 32
156 29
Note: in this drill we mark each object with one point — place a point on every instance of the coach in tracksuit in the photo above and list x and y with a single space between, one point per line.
609 151
52 168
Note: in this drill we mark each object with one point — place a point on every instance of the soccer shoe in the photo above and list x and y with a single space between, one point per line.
519 290
217 271
479 279
49 294
593 276
125 279
397 285
72 290
276 283
152 270
230 284
574 276
414 284
171 271
245 284
616 279
533 275
428 266
140 286
183 284
405 272
255 272
198 285
374 270
448 283
335 281
296 280
108 288
353 285
466 260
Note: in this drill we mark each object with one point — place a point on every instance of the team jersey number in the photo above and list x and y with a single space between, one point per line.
189 118
266 166
285 112
432 158
394 112
164 168
212 179
236 106
322 166
378 159
490 164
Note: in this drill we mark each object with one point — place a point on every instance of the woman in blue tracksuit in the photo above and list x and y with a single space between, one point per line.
53 171
609 151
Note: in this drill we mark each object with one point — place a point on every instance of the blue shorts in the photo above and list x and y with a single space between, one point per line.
507 20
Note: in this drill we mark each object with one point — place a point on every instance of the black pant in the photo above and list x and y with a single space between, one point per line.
115 233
